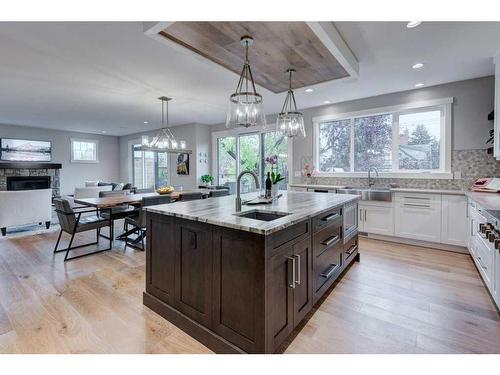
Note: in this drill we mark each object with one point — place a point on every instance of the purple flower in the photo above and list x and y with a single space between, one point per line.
272 159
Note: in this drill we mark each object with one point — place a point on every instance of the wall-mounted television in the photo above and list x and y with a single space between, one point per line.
25 150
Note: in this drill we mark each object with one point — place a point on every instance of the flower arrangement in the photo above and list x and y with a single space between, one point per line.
275 176
307 170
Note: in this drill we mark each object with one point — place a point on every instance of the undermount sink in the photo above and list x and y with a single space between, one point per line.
261 215
367 194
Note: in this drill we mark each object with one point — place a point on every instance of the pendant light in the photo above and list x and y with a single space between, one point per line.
290 121
245 104
164 141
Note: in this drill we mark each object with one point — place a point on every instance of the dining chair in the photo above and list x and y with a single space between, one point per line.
138 222
118 212
218 193
72 222
190 196
144 191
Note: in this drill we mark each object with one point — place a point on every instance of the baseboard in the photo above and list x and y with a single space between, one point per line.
408 241
192 328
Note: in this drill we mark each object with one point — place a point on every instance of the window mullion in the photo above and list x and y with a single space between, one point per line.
351 154
395 142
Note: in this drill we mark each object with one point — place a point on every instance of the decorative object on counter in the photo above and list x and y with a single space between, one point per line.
307 171
207 179
183 164
164 141
487 185
165 190
262 200
276 177
246 107
290 121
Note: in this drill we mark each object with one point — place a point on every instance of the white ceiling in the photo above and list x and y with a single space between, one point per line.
95 77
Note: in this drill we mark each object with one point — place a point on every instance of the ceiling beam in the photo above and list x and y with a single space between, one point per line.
333 41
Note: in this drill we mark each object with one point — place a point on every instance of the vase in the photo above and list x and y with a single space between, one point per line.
274 190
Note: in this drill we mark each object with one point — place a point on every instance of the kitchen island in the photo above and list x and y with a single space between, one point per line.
242 282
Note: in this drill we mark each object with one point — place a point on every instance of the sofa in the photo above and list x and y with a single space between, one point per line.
93 188
25 207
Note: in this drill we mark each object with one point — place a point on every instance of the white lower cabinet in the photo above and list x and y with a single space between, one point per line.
418 216
376 219
454 221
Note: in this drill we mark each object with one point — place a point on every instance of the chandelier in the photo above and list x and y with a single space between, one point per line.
245 104
290 121
164 141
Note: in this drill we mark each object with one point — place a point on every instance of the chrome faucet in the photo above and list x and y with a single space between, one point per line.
238 186
371 181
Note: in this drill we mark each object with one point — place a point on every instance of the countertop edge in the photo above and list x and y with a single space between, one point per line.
394 190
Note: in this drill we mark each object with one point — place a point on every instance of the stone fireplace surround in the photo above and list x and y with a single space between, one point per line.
31 169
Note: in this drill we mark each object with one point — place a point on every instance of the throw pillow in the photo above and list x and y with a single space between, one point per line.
118 187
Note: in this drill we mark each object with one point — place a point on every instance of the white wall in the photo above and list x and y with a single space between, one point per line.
72 174
197 137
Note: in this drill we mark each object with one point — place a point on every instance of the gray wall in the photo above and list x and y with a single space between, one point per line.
72 174
473 101
197 137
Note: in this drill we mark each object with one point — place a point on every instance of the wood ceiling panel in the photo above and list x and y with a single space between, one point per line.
277 47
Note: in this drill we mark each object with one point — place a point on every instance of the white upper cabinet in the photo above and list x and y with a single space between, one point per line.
454 223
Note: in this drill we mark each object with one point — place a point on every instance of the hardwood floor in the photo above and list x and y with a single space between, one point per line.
398 299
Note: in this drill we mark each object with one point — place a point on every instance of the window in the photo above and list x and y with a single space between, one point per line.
84 151
397 141
149 168
248 151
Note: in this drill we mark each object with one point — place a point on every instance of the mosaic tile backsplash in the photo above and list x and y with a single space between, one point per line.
472 164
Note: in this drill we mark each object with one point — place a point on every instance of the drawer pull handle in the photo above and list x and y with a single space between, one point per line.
352 249
330 240
481 264
329 271
330 217
417 205
423 198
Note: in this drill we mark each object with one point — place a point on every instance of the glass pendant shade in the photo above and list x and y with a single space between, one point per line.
246 107
290 121
165 139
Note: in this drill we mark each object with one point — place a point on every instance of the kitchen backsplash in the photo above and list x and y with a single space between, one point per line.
472 164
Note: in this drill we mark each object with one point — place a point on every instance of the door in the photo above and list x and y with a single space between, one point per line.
193 271
280 297
302 294
454 220
378 220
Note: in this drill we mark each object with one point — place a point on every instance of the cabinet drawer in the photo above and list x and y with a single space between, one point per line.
417 198
330 217
350 250
327 268
327 238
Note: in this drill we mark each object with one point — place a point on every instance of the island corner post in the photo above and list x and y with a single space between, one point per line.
237 291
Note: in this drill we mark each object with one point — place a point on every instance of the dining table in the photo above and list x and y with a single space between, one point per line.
107 203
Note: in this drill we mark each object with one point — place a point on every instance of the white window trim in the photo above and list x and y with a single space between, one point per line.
95 141
444 173
242 131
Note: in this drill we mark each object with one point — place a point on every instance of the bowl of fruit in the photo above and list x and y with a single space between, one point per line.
165 190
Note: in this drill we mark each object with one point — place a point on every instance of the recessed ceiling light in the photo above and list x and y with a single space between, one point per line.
326 102
309 90
418 66
104 132
420 84
146 122
413 24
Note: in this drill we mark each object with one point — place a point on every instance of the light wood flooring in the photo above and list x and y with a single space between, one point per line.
398 299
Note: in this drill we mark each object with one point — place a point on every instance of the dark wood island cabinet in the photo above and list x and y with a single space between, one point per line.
241 285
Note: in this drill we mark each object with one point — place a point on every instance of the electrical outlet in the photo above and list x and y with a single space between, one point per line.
296 174
457 175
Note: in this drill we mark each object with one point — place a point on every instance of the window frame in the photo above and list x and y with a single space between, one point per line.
72 156
444 105
244 131
156 166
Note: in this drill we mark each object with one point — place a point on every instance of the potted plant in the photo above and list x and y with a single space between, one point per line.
207 179
276 177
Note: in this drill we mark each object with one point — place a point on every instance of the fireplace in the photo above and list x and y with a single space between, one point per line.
28 182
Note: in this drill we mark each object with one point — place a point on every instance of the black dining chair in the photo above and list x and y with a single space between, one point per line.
218 193
190 196
117 212
72 222
138 222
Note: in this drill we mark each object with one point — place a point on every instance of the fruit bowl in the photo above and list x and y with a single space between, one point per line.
165 190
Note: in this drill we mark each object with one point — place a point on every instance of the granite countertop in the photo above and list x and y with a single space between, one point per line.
219 211
487 201
394 190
